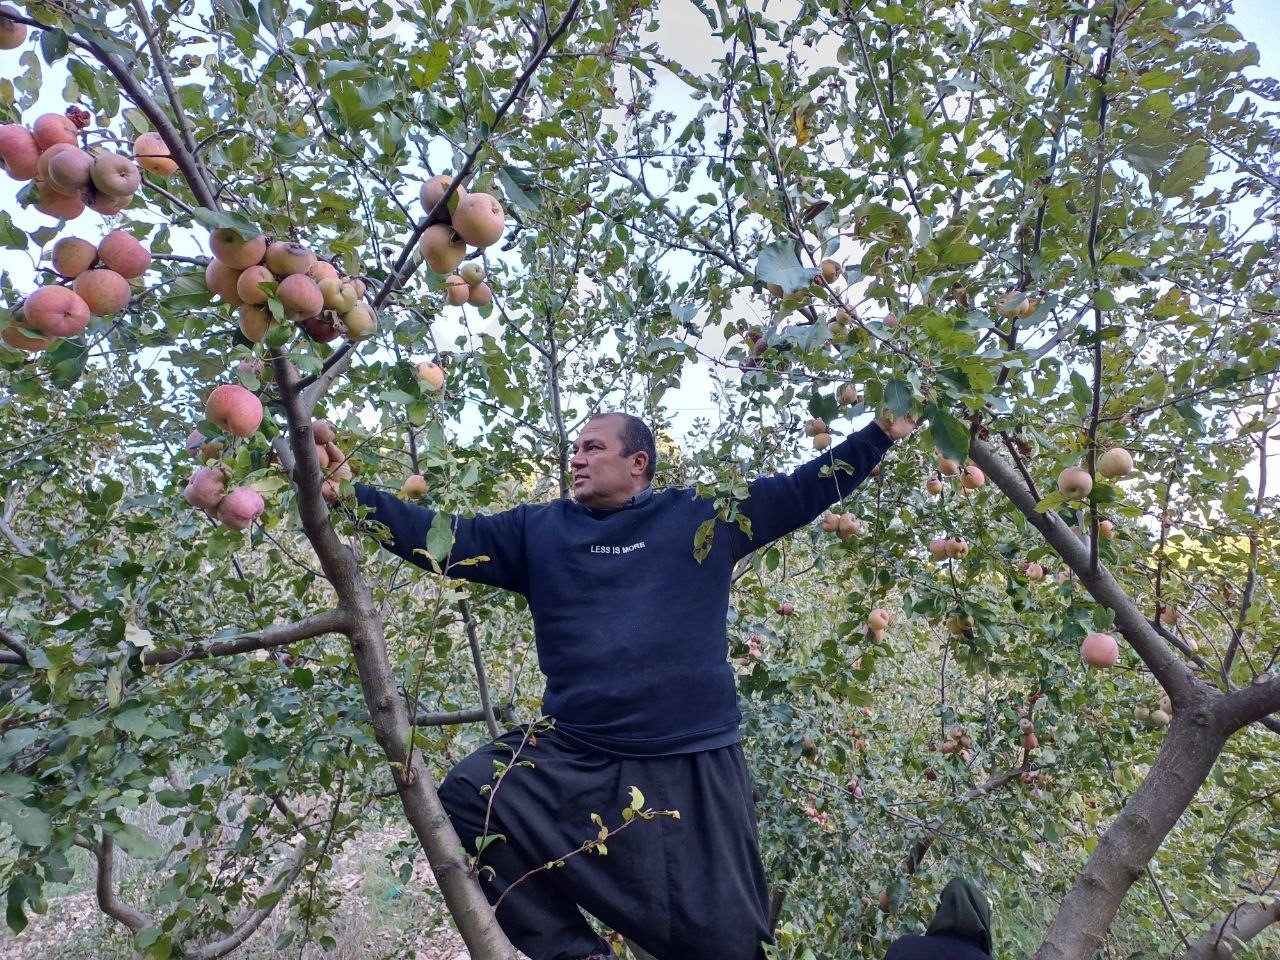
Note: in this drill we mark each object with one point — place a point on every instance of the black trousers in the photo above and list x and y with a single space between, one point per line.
686 889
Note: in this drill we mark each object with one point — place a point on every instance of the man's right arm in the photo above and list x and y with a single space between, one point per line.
497 538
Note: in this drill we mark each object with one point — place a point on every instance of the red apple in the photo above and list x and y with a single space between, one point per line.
55 311
235 409
123 253
1100 650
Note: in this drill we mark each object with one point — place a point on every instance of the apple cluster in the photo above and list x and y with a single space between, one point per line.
247 272
843 525
474 218
67 179
100 287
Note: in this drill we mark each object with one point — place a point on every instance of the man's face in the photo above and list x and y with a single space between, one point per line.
603 477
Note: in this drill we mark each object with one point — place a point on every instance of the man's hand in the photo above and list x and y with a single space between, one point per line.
895 428
337 471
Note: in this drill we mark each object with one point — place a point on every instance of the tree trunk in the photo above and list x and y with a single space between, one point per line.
1186 757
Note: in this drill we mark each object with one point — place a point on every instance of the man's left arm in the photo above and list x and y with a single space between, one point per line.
780 504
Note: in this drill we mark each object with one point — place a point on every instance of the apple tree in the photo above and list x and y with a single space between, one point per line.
422 243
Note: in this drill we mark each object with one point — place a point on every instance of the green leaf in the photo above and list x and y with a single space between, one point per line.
779 263
1189 171
53 44
28 824
948 433
521 188
135 841
236 743
440 537
67 359
897 397
132 721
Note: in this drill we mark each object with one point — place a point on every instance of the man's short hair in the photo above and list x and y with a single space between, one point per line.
636 436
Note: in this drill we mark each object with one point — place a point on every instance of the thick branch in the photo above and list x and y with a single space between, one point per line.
1173 675
108 902
1252 703
504 712
247 925
14 644
331 621
1237 928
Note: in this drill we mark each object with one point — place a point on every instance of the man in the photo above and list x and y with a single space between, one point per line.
630 633
960 929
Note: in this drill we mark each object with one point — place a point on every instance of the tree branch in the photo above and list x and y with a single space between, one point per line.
474 642
1242 924
331 621
108 902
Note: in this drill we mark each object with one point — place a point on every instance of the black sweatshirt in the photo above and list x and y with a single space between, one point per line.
630 627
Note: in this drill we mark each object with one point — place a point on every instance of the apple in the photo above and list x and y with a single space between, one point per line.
938 549
299 296
55 311
821 441
814 427
72 256
456 290
849 526
255 322
1141 714
830 271
112 174
1160 718
286 259
1170 616
933 486
1074 483
837 329
240 508
431 374
60 206
472 272
123 253
414 486
1100 650
947 467
222 281
1015 303
235 409
1030 741
68 170
479 219
206 488
152 154
440 249
19 152
105 203
322 328
105 291
481 295
1115 463
51 128
879 618
786 608
235 250
830 522
958 624
46 158
360 322
248 284
12 33
431 193
1106 529
957 549
323 270
323 431
973 478
20 341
